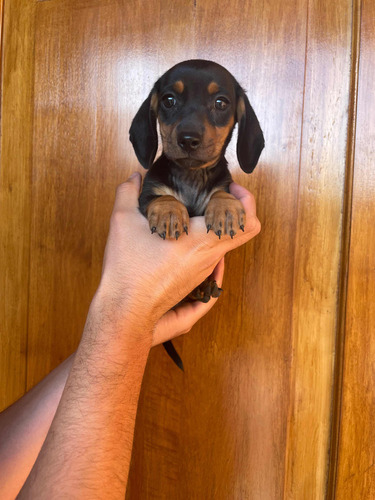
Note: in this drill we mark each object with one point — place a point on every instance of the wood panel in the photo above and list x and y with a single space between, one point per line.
68 180
355 468
84 100
250 418
318 245
15 194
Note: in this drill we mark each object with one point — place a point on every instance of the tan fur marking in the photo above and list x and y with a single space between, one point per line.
168 134
225 214
165 130
164 191
240 109
222 195
222 132
179 86
168 217
208 164
212 88
154 103
218 135
167 191
166 202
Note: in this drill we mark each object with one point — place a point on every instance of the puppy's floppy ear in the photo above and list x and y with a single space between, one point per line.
250 141
143 134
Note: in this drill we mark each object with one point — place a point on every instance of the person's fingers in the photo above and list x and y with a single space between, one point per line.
244 196
183 317
252 226
127 193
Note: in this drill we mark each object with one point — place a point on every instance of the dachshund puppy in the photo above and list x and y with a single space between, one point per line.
197 104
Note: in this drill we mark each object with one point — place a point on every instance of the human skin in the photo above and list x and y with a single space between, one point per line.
88 446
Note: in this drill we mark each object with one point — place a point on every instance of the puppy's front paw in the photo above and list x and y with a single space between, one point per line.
168 217
224 214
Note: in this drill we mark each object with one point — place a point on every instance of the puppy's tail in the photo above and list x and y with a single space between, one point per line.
169 347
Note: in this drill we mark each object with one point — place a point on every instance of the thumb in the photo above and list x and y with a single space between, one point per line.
127 193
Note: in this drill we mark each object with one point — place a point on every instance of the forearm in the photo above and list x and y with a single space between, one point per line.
87 451
24 426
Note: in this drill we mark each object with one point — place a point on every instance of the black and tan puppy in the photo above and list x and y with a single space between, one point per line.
197 104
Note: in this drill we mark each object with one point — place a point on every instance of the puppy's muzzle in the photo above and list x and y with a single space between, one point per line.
189 141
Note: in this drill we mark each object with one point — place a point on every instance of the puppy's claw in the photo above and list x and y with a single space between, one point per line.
216 291
219 233
153 230
208 228
162 235
186 230
242 228
232 233
177 234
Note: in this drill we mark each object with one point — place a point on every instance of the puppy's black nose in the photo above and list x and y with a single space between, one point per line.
189 141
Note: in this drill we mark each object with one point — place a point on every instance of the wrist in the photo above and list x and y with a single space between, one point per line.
117 326
121 305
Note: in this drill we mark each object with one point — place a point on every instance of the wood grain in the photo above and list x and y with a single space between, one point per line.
355 475
15 194
251 416
82 101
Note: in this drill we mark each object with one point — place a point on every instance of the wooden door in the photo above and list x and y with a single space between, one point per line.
274 368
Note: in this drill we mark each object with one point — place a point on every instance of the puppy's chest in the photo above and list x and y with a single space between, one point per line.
195 200
194 197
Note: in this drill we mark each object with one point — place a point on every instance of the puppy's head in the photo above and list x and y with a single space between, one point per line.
197 104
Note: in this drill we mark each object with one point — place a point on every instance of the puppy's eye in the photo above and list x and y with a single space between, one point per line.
221 103
168 101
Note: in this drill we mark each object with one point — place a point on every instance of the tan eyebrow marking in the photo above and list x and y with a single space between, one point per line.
179 86
212 88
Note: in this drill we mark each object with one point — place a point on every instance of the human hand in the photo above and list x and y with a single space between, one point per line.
180 319
144 276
